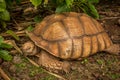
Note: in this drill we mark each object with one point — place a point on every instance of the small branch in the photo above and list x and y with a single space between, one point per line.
12 42
32 62
4 75
110 18
19 33
25 2
15 22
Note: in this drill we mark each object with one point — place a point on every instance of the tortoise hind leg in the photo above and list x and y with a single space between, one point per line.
114 49
52 63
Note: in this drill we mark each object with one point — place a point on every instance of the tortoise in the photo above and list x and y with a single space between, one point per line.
67 36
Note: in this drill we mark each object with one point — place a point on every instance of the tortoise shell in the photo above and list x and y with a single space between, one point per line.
70 35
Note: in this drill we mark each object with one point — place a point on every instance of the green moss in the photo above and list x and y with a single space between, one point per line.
84 61
100 62
35 70
49 77
113 76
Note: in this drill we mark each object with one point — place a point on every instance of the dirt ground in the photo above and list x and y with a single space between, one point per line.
101 66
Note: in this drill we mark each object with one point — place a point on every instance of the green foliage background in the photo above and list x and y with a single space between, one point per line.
4 53
87 6
4 14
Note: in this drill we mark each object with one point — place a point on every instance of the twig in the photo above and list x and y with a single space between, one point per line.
12 42
25 2
32 62
35 64
19 33
4 75
15 22
21 26
26 24
110 18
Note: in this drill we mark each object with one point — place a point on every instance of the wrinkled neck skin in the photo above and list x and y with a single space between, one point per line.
29 48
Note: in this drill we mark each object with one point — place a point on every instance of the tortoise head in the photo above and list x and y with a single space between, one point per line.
29 48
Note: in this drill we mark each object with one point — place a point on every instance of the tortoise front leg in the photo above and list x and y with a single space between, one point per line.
50 62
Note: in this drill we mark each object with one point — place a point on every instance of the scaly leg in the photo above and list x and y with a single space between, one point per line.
114 49
51 62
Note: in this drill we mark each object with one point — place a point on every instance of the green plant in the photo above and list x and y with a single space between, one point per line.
4 53
13 34
4 14
84 61
100 61
49 77
87 6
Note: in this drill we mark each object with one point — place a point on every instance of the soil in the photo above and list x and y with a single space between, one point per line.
101 66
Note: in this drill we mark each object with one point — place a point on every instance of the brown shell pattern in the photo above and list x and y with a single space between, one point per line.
70 35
